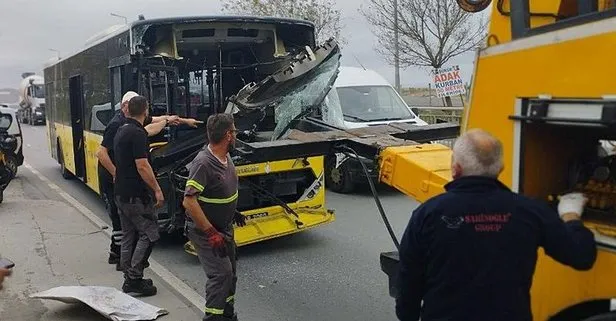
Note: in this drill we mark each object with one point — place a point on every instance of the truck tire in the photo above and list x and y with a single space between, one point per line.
65 173
338 179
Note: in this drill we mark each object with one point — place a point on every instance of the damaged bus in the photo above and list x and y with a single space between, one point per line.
195 67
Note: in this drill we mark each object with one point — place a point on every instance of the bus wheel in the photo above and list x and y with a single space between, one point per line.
337 179
65 173
610 316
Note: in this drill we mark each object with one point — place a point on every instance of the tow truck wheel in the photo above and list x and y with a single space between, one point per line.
338 179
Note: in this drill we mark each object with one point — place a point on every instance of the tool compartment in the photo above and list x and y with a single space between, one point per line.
568 146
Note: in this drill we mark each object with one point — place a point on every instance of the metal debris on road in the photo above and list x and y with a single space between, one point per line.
111 303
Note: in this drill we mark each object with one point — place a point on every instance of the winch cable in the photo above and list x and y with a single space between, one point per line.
377 200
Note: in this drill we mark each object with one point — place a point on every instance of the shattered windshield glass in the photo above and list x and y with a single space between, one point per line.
332 110
305 98
295 91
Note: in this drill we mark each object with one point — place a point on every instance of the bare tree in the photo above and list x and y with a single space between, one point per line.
431 32
322 13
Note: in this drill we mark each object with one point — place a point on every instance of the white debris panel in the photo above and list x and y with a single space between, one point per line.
111 303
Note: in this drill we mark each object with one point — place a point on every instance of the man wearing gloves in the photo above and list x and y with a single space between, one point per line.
470 253
210 200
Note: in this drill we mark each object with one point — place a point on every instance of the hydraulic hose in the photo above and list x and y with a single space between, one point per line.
377 200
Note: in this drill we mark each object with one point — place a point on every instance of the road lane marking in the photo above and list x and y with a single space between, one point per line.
178 286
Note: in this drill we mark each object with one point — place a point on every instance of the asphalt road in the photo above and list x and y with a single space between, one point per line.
327 273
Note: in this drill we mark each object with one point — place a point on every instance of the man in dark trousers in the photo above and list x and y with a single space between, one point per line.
134 185
210 201
106 175
107 170
470 253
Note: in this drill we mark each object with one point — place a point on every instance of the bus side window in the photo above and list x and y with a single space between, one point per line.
116 86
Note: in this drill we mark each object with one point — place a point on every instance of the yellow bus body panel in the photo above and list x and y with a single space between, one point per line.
268 223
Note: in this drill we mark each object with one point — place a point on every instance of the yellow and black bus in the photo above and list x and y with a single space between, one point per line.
192 67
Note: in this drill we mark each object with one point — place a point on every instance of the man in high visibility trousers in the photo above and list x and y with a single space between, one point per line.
210 200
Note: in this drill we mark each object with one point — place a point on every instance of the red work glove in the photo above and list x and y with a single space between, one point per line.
216 241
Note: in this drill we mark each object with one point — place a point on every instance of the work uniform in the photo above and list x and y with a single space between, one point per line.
470 253
106 184
216 187
106 181
134 200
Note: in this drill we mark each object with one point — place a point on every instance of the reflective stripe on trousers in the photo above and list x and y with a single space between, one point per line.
214 311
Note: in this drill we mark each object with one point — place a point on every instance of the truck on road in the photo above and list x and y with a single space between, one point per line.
31 99
555 130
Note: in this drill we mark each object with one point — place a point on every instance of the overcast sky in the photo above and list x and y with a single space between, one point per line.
29 28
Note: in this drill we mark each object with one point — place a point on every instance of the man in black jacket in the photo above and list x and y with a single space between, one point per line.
107 170
134 186
470 253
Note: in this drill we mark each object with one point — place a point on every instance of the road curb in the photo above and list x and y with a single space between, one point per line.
177 286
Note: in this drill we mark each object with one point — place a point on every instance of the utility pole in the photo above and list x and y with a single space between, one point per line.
397 47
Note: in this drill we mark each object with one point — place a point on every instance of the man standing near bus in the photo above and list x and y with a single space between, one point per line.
210 200
107 170
134 198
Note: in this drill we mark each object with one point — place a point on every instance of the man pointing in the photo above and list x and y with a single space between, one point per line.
107 169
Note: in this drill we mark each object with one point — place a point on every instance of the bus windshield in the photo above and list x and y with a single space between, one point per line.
372 103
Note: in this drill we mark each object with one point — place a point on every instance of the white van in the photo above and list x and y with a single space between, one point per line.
360 98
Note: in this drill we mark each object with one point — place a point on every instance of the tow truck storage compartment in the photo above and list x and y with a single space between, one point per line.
562 146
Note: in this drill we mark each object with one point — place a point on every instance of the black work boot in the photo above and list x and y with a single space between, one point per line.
139 286
113 258
229 313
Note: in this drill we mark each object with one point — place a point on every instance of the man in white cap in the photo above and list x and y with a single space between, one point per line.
107 170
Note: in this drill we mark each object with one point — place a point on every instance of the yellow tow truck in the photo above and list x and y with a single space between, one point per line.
544 85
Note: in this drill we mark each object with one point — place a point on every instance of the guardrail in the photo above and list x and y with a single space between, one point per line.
434 115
